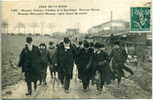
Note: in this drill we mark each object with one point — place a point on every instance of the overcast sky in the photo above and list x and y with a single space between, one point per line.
120 9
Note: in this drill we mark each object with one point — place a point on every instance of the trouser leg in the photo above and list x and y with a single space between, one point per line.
35 85
28 83
67 78
85 83
88 81
41 77
29 86
101 85
67 84
122 73
42 80
51 71
54 74
128 70
45 76
119 71
79 73
100 82
45 73
61 77
119 80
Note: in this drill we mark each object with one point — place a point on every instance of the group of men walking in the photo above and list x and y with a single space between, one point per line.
93 63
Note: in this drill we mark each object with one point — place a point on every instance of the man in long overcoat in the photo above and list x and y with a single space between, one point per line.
118 58
30 61
101 71
45 58
53 59
84 63
77 60
65 62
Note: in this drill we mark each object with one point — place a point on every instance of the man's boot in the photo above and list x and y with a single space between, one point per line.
29 93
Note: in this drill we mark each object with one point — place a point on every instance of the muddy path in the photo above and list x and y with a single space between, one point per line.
128 89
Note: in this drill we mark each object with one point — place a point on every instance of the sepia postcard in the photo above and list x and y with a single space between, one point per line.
76 49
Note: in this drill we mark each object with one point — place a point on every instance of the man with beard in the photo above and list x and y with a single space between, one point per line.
65 62
44 62
30 63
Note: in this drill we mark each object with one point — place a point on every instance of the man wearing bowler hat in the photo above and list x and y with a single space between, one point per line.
65 62
30 63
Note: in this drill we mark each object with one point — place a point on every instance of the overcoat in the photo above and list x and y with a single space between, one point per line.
101 64
53 58
118 57
65 59
30 62
84 62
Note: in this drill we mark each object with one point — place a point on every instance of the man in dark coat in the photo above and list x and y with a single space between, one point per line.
77 60
30 61
52 56
118 57
84 63
91 49
44 62
65 62
101 70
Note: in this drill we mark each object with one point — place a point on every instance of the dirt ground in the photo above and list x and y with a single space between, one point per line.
129 88
133 87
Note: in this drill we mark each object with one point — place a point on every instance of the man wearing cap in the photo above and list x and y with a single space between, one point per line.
78 59
84 63
30 61
44 62
52 56
118 57
65 62
101 71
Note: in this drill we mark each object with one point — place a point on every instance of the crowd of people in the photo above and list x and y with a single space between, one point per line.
93 62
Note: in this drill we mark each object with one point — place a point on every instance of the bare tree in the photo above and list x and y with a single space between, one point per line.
42 27
4 26
51 26
20 26
34 26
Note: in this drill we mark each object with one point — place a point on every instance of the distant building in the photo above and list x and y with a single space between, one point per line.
114 26
72 31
